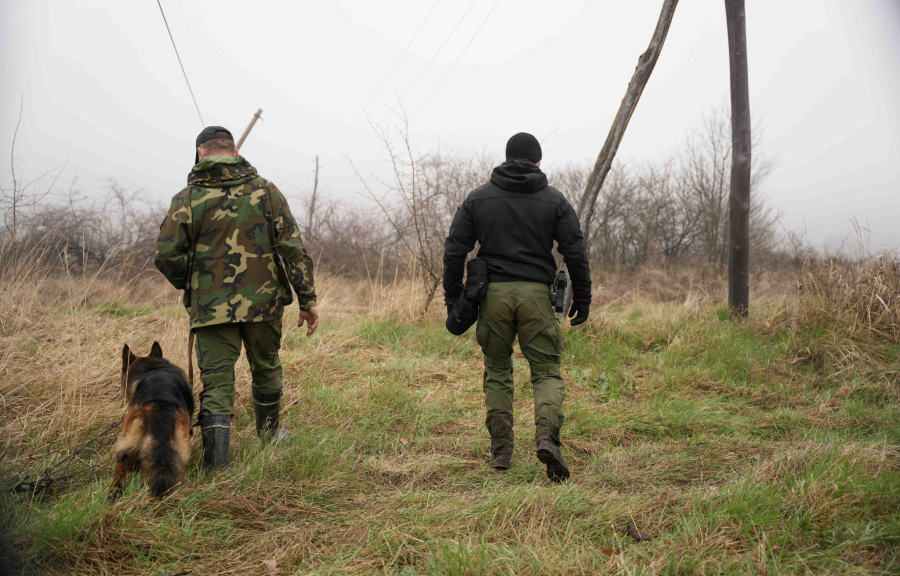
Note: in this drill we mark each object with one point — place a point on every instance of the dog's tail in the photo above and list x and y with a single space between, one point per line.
165 465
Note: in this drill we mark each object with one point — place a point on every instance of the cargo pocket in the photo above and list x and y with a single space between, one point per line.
545 346
493 345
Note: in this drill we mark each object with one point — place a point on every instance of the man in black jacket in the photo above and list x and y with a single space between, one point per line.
516 218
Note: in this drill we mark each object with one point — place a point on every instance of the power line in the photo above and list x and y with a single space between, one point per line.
458 58
430 62
180 64
447 39
397 63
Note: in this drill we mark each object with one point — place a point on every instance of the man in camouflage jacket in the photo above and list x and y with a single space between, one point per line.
229 241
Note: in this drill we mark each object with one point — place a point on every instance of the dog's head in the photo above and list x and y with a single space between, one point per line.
133 367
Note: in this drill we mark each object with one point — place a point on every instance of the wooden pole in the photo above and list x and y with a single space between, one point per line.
312 201
739 201
645 66
249 128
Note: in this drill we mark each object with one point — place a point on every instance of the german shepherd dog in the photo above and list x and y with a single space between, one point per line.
156 429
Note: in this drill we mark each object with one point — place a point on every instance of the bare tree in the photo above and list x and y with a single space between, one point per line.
675 213
19 197
412 212
706 169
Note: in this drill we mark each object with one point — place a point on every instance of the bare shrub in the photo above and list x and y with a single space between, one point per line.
123 222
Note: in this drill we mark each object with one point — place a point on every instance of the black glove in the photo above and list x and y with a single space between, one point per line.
579 312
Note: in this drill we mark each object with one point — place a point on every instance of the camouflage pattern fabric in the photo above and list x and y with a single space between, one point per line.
216 244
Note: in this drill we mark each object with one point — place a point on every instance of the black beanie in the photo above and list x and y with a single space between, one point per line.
523 146
210 133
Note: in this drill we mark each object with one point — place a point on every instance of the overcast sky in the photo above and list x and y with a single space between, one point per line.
103 90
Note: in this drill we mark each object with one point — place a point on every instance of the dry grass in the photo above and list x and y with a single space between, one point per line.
855 298
740 446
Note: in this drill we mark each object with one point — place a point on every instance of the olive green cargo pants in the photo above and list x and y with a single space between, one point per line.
511 309
218 349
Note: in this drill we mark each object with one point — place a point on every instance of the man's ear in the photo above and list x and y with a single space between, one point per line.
128 358
156 350
236 152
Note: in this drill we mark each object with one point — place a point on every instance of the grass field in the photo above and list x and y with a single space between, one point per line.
741 447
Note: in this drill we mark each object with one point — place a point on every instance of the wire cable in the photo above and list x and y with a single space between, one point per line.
458 58
447 39
397 63
180 64
430 62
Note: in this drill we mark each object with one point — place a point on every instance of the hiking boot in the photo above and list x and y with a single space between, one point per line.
216 433
498 461
267 408
549 454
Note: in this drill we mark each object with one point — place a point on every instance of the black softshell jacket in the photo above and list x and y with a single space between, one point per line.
515 218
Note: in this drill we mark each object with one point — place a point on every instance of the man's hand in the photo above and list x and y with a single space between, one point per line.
579 312
311 317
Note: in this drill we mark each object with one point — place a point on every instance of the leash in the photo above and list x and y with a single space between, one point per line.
191 360
191 374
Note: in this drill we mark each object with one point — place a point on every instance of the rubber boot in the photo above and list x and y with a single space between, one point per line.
267 408
216 433
548 453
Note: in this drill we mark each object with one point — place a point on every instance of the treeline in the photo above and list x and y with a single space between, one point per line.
663 213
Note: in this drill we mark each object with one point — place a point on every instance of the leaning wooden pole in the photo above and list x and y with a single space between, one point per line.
739 201
645 66
249 128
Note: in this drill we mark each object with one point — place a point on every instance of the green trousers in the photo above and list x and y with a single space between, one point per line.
520 309
218 349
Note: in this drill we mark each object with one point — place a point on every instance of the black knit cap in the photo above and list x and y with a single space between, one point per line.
210 133
523 146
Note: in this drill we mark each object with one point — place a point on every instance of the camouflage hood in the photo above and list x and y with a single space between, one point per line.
221 171
223 242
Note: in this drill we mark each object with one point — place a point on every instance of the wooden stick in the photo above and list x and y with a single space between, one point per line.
249 128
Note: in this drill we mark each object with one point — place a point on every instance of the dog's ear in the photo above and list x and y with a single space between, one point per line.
128 358
156 350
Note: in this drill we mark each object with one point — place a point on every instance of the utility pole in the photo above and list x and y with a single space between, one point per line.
739 201
249 128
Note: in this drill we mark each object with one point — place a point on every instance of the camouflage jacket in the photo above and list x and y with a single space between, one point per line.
216 244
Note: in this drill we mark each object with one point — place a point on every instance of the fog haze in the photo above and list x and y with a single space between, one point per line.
102 90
